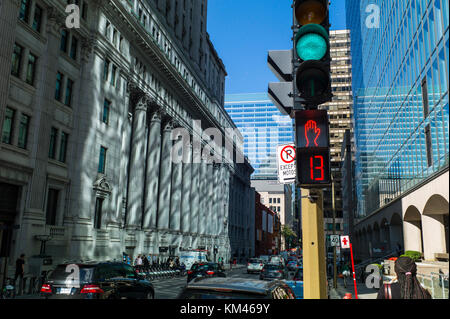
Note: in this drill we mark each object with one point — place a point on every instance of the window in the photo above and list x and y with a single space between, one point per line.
106 108
52 148
270 200
428 145
425 97
23 131
98 213
52 206
8 126
102 160
37 19
73 48
16 60
113 75
24 10
69 88
64 40
63 147
278 200
31 69
84 10
106 70
58 88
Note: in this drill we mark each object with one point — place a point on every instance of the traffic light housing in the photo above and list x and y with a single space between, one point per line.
312 52
312 148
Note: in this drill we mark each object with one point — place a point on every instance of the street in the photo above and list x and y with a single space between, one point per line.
170 288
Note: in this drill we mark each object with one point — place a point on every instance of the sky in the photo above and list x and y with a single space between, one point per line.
243 31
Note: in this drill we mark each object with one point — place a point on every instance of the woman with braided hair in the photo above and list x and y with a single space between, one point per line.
406 286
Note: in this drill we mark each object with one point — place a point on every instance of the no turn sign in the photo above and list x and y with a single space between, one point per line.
286 164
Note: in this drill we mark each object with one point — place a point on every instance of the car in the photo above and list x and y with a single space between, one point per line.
273 271
96 280
264 258
297 283
207 269
254 265
236 288
293 265
276 260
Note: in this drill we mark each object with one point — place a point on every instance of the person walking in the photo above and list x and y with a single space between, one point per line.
406 285
20 270
145 262
138 262
346 273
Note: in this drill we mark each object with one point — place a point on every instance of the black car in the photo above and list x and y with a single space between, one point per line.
236 288
105 280
273 271
205 270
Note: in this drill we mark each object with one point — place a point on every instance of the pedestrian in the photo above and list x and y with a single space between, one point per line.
20 270
138 262
145 262
346 273
406 285
231 263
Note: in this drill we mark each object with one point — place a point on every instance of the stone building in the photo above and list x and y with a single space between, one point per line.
88 117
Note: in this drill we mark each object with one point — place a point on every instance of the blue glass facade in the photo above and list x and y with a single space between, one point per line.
263 128
400 86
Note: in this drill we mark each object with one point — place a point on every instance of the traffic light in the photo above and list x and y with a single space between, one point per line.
312 143
312 52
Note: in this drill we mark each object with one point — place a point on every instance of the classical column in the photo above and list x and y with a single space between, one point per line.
203 199
165 177
137 160
176 189
186 198
152 171
195 192
217 195
210 201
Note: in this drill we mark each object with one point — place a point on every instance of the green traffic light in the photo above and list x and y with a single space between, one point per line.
311 46
311 42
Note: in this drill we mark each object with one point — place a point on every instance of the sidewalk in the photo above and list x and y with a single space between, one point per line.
363 291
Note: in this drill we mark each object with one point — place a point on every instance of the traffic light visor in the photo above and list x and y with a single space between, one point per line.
311 42
310 11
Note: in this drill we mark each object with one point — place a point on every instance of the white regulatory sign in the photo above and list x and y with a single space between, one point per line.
334 239
286 164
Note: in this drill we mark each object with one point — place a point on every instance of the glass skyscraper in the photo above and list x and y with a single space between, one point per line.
400 59
263 128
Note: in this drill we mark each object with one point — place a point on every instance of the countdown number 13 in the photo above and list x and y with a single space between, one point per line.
319 168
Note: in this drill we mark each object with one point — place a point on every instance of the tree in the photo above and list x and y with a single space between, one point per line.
289 236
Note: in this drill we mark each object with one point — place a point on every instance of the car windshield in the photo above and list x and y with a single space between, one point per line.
199 267
255 261
68 274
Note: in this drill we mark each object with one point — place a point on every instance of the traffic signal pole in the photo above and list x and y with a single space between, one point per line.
313 239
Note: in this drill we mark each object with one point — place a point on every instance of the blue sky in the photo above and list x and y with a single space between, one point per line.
243 31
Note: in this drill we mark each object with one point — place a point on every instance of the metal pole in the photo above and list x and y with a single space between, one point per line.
314 261
353 269
334 233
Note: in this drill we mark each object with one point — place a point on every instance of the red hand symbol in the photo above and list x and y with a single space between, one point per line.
312 132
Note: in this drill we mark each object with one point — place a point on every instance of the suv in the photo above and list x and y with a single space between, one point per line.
254 265
104 280
205 270
236 288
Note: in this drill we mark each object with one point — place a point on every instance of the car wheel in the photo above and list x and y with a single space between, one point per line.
149 295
